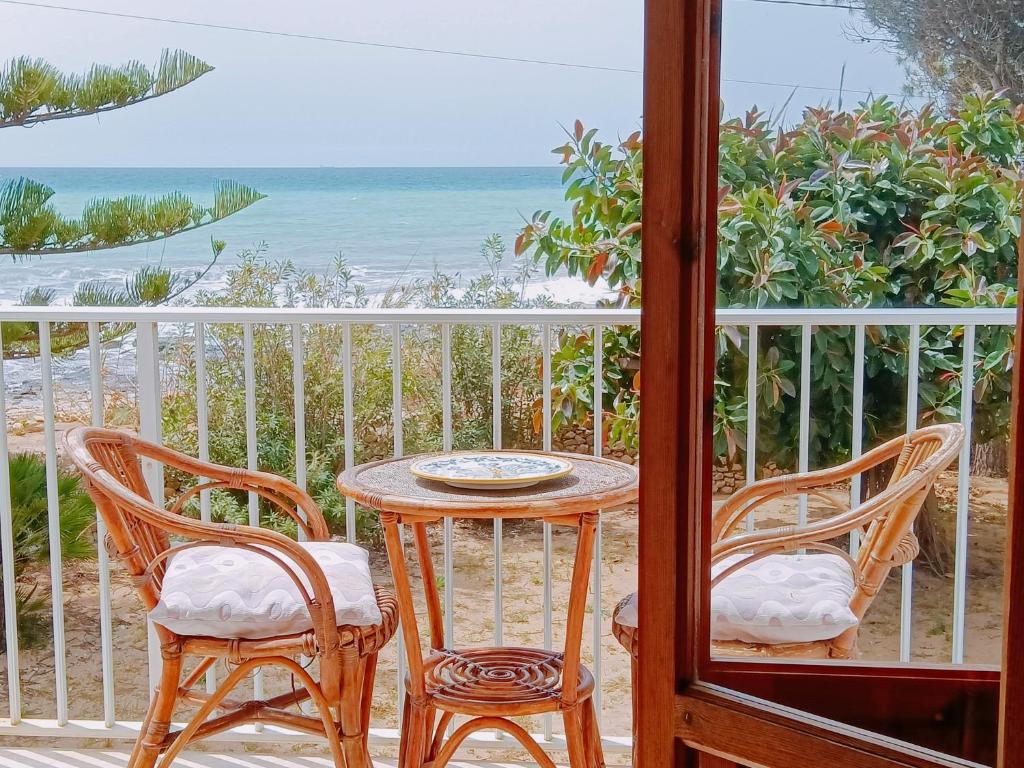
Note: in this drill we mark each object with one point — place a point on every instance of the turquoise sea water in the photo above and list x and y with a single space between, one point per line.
390 223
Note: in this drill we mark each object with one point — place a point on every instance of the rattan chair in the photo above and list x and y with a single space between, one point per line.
884 521
140 537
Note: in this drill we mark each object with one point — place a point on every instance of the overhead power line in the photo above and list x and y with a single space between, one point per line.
424 49
323 38
810 4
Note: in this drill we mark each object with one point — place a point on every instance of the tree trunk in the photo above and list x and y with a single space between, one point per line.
935 541
991 459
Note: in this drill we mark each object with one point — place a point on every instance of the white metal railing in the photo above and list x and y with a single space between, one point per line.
147 322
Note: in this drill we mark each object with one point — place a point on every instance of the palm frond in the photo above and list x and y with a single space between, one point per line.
34 91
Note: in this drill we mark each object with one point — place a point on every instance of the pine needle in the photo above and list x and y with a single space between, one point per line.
31 226
33 91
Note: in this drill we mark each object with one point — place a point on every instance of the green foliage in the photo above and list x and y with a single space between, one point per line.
30 224
34 91
257 281
601 240
31 538
879 206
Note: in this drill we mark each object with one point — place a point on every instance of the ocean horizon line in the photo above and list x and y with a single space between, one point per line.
273 167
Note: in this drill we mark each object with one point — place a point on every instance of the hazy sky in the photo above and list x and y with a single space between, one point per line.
275 101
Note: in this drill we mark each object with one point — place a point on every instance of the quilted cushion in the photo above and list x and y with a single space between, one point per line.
783 599
236 593
777 599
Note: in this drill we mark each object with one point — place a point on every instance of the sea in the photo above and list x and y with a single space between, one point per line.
392 225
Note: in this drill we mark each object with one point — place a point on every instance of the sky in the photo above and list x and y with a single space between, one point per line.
277 101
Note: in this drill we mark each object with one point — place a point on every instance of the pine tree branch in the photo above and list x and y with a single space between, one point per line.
151 286
31 226
32 91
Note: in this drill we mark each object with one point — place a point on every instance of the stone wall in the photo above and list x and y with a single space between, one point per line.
580 439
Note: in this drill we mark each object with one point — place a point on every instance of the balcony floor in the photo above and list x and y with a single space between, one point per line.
14 757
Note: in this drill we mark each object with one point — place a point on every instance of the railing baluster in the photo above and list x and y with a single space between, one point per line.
446 445
299 430
203 430
857 441
805 412
147 380
963 498
396 387
448 524
397 446
251 454
349 428
496 410
751 457
7 553
598 619
103 560
251 448
907 571
299 408
202 418
546 527
53 521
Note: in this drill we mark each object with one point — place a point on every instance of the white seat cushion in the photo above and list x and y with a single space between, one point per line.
778 599
783 599
228 592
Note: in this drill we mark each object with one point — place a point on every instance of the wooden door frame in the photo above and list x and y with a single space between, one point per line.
680 715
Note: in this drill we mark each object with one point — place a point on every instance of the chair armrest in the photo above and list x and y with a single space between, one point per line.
905 492
747 499
280 492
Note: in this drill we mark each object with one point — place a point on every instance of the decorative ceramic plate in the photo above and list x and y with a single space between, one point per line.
491 469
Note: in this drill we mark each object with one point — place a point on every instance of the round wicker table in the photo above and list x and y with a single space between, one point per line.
490 685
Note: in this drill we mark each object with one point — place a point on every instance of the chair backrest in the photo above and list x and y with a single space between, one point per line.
111 466
889 539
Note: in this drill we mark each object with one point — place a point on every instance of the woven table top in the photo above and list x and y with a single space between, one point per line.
389 486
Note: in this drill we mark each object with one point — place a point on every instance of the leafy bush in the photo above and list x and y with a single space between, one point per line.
879 206
31 537
257 281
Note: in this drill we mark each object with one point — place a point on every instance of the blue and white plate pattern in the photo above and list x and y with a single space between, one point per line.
491 469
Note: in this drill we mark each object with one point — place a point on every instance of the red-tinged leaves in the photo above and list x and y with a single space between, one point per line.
636 382
578 131
632 142
596 268
831 226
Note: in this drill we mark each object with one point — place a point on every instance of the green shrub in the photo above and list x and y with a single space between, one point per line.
31 537
878 206
257 281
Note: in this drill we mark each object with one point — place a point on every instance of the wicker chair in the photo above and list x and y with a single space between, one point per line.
139 536
885 522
